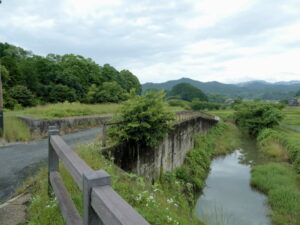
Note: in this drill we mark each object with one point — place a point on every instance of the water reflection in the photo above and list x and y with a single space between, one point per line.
228 197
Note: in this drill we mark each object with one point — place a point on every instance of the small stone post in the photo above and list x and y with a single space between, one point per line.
104 135
90 180
53 159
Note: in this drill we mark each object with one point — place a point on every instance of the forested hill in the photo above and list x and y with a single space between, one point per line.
29 79
247 90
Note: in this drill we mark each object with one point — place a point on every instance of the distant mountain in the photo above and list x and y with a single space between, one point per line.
248 90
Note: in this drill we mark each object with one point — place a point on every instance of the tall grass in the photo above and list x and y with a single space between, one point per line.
67 109
292 116
157 204
15 130
281 144
281 183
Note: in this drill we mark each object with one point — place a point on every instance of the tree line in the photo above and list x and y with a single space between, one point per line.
30 79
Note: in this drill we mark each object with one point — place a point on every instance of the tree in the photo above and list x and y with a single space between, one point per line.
22 95
187 92
255 116
110 92
297 94
144 120
61 93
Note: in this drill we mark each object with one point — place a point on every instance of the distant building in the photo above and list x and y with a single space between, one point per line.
294 102
229 101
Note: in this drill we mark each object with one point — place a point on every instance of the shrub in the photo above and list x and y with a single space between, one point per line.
62 93
22 95
144 120
255 116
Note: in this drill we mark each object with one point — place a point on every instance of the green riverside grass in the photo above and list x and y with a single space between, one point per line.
280 180
155 203
281 183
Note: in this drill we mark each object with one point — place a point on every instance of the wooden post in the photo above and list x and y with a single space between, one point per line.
1 106
90 180
53 159
104 135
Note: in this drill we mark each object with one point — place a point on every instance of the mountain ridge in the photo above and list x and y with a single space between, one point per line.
248 90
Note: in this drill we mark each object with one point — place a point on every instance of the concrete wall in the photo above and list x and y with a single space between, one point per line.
66 125
168 156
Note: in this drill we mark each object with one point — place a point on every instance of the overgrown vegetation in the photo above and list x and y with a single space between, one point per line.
15 130
255 116
221 139
281 144
156 203
281 184
144 120
30 79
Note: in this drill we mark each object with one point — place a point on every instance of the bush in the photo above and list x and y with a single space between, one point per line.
62 93
255 116
144 120
22 95
201 105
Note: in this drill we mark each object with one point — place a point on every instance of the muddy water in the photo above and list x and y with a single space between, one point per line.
228 198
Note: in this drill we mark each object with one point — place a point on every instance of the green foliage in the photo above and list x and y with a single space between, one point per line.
297 93
285 142
62 93
158 204
180 103
187 92
111 92
280 183
15 130
221 139
255 116
144 120
56 78
22 95
201 105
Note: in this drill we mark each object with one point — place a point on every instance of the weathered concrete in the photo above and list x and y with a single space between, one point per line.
66 125
14 211
170 153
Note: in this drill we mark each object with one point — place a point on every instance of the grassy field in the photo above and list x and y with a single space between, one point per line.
292 116
224 114
15 130
60 110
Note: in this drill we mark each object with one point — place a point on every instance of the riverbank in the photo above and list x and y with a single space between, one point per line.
168 201
279 179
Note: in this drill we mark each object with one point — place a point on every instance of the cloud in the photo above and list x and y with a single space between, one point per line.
228 41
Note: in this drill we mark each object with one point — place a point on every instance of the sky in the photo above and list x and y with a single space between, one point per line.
207 40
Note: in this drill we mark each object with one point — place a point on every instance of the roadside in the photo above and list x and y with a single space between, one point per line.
13 211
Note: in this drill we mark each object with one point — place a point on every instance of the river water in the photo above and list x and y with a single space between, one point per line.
228 198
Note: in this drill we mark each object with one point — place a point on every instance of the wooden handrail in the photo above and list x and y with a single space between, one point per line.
101 204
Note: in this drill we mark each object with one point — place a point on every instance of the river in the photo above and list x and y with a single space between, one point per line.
228 198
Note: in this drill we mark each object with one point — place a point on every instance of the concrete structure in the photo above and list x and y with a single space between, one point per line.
170 153
66 125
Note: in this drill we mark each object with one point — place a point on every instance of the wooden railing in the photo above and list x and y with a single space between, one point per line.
101 204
